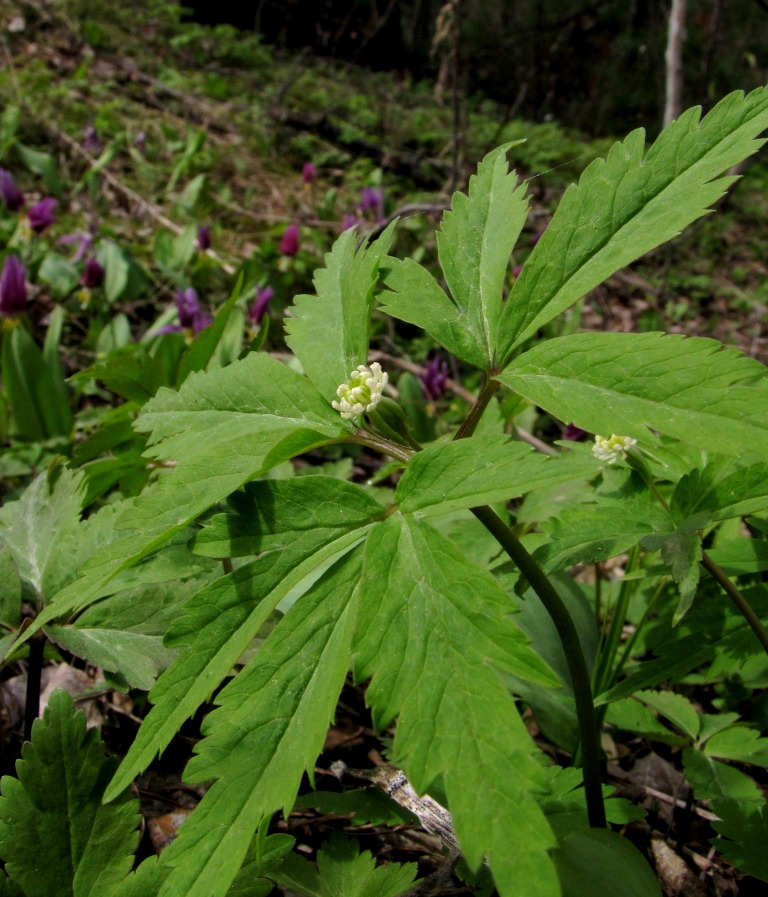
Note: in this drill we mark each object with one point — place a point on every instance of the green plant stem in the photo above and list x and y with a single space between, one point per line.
34 674
738 599
489 390
379 444
626 653
744 607
577 664
604 666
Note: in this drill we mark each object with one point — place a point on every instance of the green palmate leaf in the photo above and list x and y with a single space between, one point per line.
417 298
269 728
692 389
331 331
598 532
132 373
711 627
56 838
712 780
738 743
676 708
342 871
136 657
10 587
474 245
272 513
629 203
681 552
745 824
216 627
147 610
631 716
592 862
34 526
740 556
432 626
482 470
722 491
222 429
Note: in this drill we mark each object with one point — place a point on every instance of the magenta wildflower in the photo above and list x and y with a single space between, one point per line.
573 433
517 270
289 245
372 200
84 242
191 313
13 286
13 198
91 142
203 237
93 274
41 216
308 172
434 379
349 221
264 296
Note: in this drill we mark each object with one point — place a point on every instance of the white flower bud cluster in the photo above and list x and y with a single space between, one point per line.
610 450
362 392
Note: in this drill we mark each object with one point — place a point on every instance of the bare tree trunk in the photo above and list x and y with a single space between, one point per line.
674 61
709 58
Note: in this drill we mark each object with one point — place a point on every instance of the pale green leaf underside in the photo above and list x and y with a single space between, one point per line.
692 389
482 470
269 728
136 657
33 527
216 627
222 429
330 332
474 244
431 627
627 204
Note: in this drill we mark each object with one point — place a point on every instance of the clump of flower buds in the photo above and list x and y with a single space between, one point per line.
362 392
610 450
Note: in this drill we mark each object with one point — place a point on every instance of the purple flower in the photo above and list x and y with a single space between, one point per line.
349 221
13 198
84 241
191 313
41 216
308 173
93 274
91 141
516 271
372 200
264 296
13 286
434 378
573 433
289 245
203 237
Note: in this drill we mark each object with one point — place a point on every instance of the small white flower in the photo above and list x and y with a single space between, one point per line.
610 450
362 392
